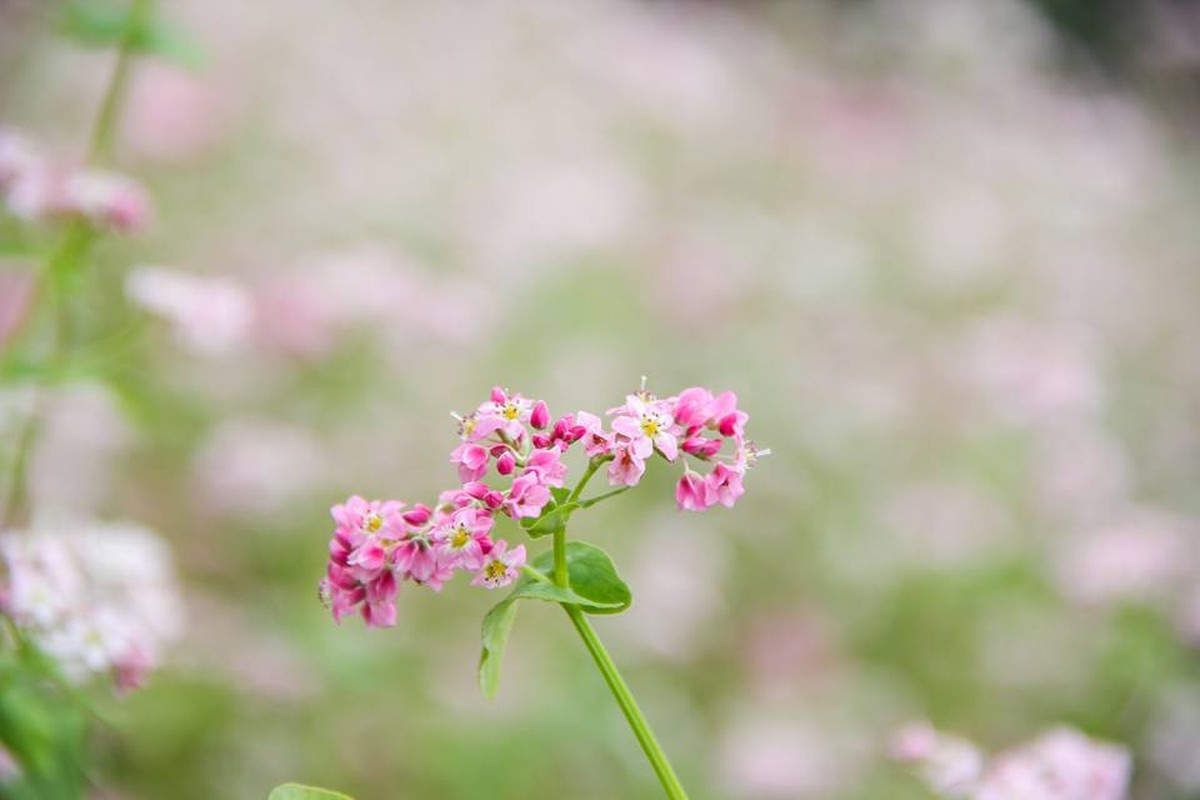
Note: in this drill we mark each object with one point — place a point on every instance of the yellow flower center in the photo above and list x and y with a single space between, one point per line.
650 426
495 570
373 522
510 410
460 538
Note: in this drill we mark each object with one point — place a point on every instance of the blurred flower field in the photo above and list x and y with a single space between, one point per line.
950 275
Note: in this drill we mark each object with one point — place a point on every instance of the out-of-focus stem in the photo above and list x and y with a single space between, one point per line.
105 126
55 275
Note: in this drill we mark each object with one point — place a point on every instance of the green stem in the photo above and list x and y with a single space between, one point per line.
105 126
58 272
593 465
641 728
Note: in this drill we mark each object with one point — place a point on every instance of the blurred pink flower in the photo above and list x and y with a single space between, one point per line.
210 316
257 466
1135 558
1060 765
171 114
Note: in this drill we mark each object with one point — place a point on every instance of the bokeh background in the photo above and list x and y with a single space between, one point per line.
945 252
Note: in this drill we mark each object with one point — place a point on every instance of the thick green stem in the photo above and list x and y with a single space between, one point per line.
641 728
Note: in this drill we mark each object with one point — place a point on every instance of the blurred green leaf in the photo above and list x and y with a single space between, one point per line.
497 624
294 791
95 23
593 577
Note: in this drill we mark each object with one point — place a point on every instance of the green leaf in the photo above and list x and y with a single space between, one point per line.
497 624
294 791
593 577
537 590
552 520
560 494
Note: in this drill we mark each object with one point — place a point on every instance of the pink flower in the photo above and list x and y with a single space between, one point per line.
1062 764
626 468
729 421
106 199
693 493
547 466
357 518
527 497
502 566
208 315
416 558
506 463
18 156
724 485
472 461
505 412
693 407
463 540
647 426
596 442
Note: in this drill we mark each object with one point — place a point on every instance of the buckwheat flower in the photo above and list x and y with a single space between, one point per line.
627 467
106 199
97 599
462 541
547 466
508 413
416 558
1062 764
357 518
207 315
647 423
693 407
724 485
471 460
728 420
949 765
527 497
506 463
34 194
501 567
596 441
693 492
18 156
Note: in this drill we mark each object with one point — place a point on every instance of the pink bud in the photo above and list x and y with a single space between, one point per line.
499 395
728 424
540 416
541 441
506 463
493 499
475 489
499 450
418 516
701 447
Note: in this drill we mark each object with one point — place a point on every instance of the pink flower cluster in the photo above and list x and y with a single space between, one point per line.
509 462
35 189
1061 764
